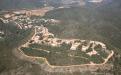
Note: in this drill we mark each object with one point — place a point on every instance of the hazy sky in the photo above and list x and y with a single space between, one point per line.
96 1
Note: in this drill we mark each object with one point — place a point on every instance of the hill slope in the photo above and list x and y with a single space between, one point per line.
88 23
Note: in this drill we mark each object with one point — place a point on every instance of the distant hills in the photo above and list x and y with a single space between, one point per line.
18 4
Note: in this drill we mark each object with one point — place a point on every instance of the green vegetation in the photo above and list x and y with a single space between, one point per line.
57 55
96 59
88 23
34 52
64 47
41 61
82 54
13 38
100 24
14 35
63 55
81 60
89 49
102 52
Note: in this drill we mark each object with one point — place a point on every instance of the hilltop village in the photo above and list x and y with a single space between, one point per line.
43 37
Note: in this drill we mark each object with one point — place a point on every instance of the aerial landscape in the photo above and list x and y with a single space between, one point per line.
60 37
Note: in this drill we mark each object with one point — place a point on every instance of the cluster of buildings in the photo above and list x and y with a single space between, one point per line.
23 21
44 37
